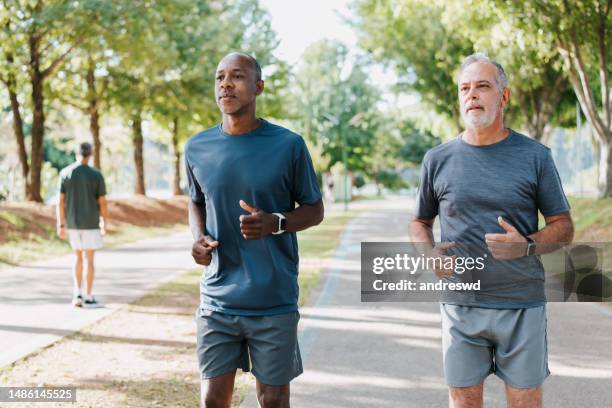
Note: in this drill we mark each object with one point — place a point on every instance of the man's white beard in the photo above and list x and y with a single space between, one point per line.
479 121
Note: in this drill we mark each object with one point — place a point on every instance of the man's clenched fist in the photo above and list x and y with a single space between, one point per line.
201 251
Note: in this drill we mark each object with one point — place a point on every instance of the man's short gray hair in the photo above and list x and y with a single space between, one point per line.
501 79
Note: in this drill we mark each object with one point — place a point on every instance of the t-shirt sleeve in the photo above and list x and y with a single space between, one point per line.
550 198
426 203
101 187
62 184
195 192
305 187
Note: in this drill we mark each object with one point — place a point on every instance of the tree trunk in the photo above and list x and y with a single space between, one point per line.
605 168
177 158
11 84
38 118
137 141
94 113
94 127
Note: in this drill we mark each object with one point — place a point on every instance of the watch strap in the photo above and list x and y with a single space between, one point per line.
282 222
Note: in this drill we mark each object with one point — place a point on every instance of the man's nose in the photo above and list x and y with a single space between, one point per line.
472 94
226 83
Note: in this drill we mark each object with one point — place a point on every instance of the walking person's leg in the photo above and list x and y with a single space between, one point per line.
272 396
217 391
524 397
77 278
466 397
89 253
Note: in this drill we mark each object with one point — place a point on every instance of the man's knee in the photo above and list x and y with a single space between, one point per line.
216 401
273 396
524 397
217 392
466 397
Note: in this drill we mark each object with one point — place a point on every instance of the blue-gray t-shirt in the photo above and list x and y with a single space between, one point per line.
470 186
271 169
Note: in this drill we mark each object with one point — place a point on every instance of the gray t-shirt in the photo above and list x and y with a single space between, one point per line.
271 169
469 187
82 186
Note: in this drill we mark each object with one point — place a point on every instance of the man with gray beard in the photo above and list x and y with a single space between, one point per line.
487 186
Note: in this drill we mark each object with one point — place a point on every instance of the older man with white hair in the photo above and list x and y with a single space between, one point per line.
487 186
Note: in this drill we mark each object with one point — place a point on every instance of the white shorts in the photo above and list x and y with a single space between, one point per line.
85 238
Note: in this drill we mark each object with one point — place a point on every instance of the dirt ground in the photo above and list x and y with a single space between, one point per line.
33 220
140 356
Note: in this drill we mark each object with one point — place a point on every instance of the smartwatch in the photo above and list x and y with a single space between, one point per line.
531 247
282 223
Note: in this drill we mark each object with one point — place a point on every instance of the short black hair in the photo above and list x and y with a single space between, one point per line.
254 64
85 149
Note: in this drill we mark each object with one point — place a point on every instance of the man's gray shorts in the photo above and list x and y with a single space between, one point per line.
227 342
508 342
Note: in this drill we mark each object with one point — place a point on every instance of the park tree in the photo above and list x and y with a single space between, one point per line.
183 99
335 105
409 37
581 33
427 41
83 80
35 40
541 92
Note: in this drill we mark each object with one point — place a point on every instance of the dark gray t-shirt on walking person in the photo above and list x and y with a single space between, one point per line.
469 187
82 186
271 169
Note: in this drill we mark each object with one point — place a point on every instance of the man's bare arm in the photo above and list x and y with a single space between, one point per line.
422 231
421 235
203 245
305 216
259 224
558 232
60 211
197 220
103 216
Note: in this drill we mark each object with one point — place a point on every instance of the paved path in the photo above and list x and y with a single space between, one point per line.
35 308
389 354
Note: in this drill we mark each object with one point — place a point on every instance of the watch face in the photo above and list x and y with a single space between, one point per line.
283 224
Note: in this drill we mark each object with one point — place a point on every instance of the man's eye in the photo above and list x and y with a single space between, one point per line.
219 78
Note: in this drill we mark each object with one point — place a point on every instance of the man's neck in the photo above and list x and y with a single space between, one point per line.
84 161
238 125
491 134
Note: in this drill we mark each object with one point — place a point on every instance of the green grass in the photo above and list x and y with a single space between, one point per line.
591 212
318 243
18 221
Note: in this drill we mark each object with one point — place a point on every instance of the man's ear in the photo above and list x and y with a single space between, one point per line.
259 87
505 97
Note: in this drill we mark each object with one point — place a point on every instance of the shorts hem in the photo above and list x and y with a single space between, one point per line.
468 383
513 384
276 381
221 371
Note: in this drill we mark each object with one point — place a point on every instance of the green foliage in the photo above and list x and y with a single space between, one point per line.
426 42
58 158
335 108
390 179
